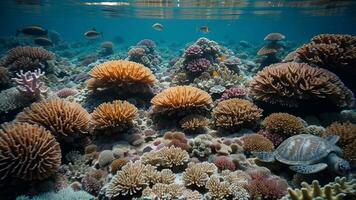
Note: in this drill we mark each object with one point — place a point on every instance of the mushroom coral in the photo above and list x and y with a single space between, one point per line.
118 73
283 124
179 98
28 152
115 115
233 113
62 118
292 83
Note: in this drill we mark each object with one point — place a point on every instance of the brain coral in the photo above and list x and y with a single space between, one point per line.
292 83
256 142
283 124
120 73
27 58
181 97
61 117
28 152
235 112
116 115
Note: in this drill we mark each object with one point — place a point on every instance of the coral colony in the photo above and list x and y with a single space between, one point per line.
215 125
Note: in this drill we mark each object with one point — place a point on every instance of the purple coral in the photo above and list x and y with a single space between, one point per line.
234 92
147 43
193 51
275 138
29 84
198 65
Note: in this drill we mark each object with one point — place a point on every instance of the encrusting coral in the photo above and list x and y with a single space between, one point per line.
283 124
117 115
28 152
62 118
235 113
180 98
120 73
340 189
292 83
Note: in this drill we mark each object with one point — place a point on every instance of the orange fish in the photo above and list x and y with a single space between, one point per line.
222 58
215 73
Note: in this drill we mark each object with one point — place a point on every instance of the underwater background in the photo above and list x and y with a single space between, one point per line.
177 99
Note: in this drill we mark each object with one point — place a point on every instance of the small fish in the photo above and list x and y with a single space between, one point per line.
35 31
204 29
222 58
42 41
92 34
158 27
215 73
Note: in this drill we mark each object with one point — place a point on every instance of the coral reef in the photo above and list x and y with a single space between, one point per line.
167 157
145 53
290 84
4 78
235 113
64 194
234 92
194 123
256 142
28 152
283 124
29 84
197 174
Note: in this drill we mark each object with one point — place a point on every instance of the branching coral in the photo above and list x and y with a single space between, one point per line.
29 84
194 123
62 118
167 157
224 162
341 188
27 58
218 189
233 113
198 65
93 181
117 115
181 98
164 191
119 73
256 142
28 152
292 83
197 174
283 124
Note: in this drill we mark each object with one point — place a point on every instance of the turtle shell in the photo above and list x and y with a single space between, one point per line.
304 149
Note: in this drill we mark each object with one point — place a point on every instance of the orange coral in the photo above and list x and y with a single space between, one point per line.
28 152
291 83
235 112
27 58
119 73
61 117
194 123
283 124
181 97
115 115
117 164
256 142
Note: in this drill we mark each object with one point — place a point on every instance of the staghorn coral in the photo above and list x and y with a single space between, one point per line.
256 142
283 124
27 58
193 123
218 189
292 83
28 152
63 118
29 84
167 157
180 98
234 113
197 174
117 115
341 188
192 195
128 181
164 191
120 73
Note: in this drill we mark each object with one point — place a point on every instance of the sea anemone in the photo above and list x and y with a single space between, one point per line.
28 152
62 118
292 83
114 116
233 113
283 124
257 143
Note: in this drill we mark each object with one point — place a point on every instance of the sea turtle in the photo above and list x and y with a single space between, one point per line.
307 154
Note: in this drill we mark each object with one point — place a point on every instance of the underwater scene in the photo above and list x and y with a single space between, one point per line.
177 100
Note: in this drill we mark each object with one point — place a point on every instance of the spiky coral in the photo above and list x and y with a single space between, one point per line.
283 124
293 83
256 142
218 189
337 190
167 157
27 58
194 123
164 191
181 98
197 174
117 115
233 113
28 152
62 118
118 73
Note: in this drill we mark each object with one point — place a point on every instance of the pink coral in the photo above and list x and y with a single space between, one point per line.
29 84
234 92
193 51
66 92
198 65
275 138
224 162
